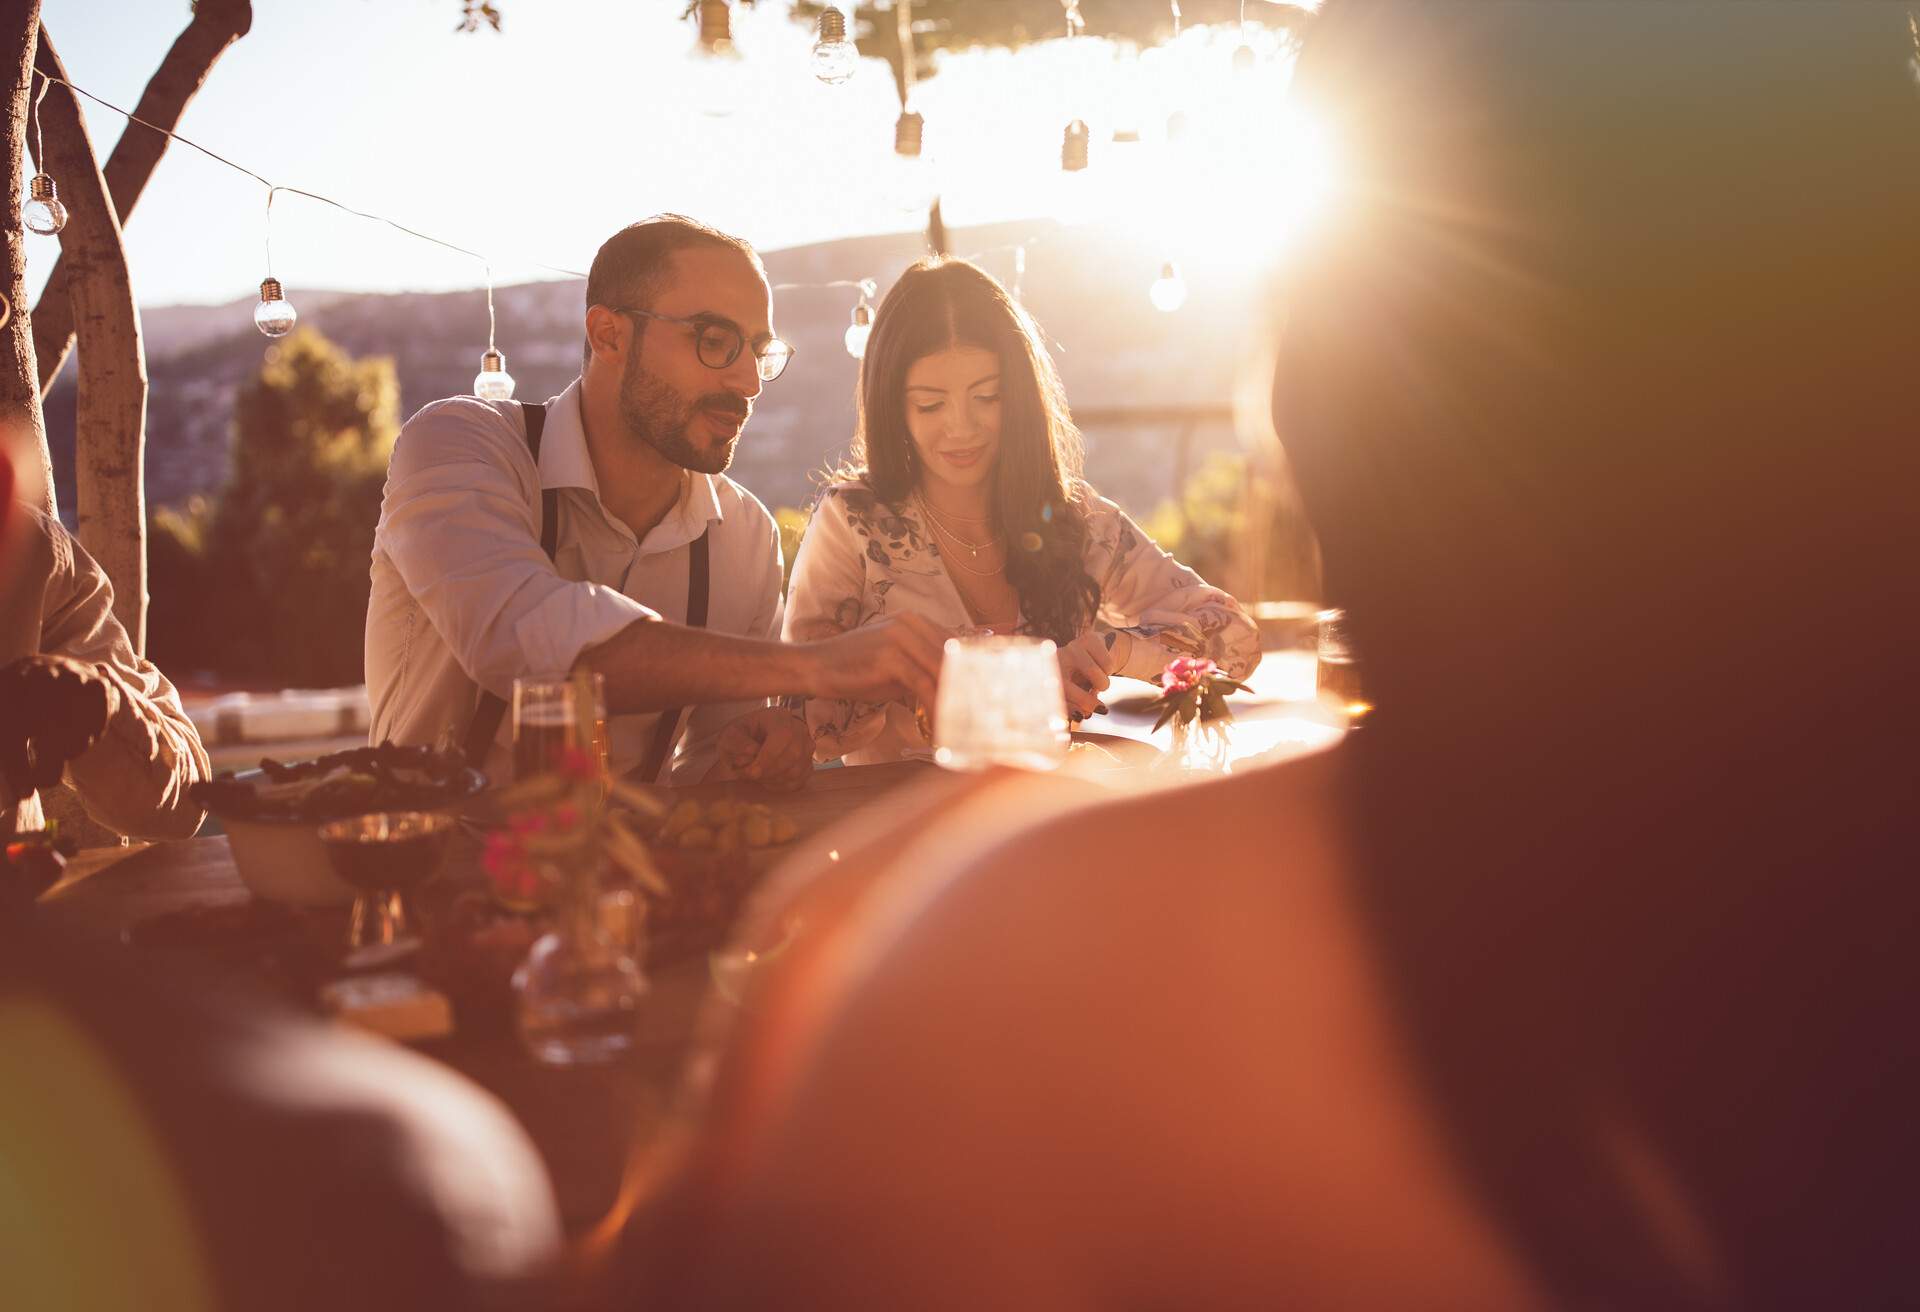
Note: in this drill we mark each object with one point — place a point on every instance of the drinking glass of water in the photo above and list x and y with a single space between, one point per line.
1000 703
1338 677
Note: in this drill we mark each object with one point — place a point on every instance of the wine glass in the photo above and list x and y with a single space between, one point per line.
385 855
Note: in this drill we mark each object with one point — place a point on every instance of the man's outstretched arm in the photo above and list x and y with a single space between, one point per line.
652 664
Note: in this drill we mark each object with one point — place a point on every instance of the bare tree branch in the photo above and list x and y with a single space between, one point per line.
216 25
19 387
110 428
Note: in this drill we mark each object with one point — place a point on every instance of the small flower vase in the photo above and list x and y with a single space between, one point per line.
1199 746
577 995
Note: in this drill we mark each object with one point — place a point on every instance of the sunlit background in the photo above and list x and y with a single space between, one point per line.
1150 271
530 145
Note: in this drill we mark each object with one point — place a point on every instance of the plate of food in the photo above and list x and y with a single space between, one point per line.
1108 751
272 814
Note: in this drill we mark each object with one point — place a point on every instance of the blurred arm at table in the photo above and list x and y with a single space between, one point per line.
1112 1054
134 777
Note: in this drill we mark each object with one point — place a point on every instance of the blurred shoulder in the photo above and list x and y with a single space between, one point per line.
49 547
40 525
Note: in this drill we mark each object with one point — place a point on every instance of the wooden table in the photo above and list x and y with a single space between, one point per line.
583 1121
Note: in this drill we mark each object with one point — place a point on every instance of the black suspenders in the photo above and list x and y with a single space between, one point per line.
490 710
667 728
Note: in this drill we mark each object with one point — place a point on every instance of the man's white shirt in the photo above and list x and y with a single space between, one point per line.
464 598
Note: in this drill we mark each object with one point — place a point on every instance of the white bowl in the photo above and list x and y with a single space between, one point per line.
284 860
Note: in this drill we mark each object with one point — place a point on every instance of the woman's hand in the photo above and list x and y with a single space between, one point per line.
1086 667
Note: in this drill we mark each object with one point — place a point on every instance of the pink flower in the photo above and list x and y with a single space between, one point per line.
576 764
1185 673
566 815
529 822
503 856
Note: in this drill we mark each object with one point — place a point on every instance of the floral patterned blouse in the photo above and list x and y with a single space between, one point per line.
863 559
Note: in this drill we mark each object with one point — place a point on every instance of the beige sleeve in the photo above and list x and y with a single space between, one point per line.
135 778
1169 610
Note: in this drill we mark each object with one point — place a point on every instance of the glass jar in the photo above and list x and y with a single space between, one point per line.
1198 746
577 995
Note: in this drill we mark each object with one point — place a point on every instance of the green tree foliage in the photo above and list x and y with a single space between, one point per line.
793 527
1207 527
270 582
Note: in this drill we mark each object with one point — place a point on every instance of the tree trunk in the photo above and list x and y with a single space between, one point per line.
110 427
216 25
19 383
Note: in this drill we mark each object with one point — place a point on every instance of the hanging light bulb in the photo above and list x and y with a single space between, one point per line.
493 382
1076 201
862 326
716 28
1126 98
275 315
1074 147
913 186
719 68
43 213
1246 61
834 57
1169 290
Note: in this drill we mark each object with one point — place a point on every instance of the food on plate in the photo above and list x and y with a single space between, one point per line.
383 778
724 825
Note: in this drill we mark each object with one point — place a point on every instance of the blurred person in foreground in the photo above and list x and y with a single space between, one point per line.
965 504
599 531
77 703
175 1144
1582 976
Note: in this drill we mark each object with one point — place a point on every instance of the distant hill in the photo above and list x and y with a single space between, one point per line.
1087 289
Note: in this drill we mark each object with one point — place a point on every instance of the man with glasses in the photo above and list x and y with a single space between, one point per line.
600 531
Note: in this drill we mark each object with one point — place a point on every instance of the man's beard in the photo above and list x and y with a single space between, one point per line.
657 415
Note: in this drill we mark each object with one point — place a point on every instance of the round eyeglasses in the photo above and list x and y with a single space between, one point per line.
719 343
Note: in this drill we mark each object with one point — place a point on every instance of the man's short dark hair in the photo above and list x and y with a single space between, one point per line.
630 268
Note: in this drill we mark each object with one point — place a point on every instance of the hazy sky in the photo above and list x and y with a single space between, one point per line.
532 145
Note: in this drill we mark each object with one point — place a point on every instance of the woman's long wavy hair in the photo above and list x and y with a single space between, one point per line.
1038 500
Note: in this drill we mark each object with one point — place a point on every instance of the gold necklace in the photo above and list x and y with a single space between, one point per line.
973 549
954 557
948 514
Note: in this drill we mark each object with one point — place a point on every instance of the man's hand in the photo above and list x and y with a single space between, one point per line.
1086 667
53 709
892 659
768 746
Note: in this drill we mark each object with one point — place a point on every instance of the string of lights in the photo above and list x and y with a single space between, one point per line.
833 59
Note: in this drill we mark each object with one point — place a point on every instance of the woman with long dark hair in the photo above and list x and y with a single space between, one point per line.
964 503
